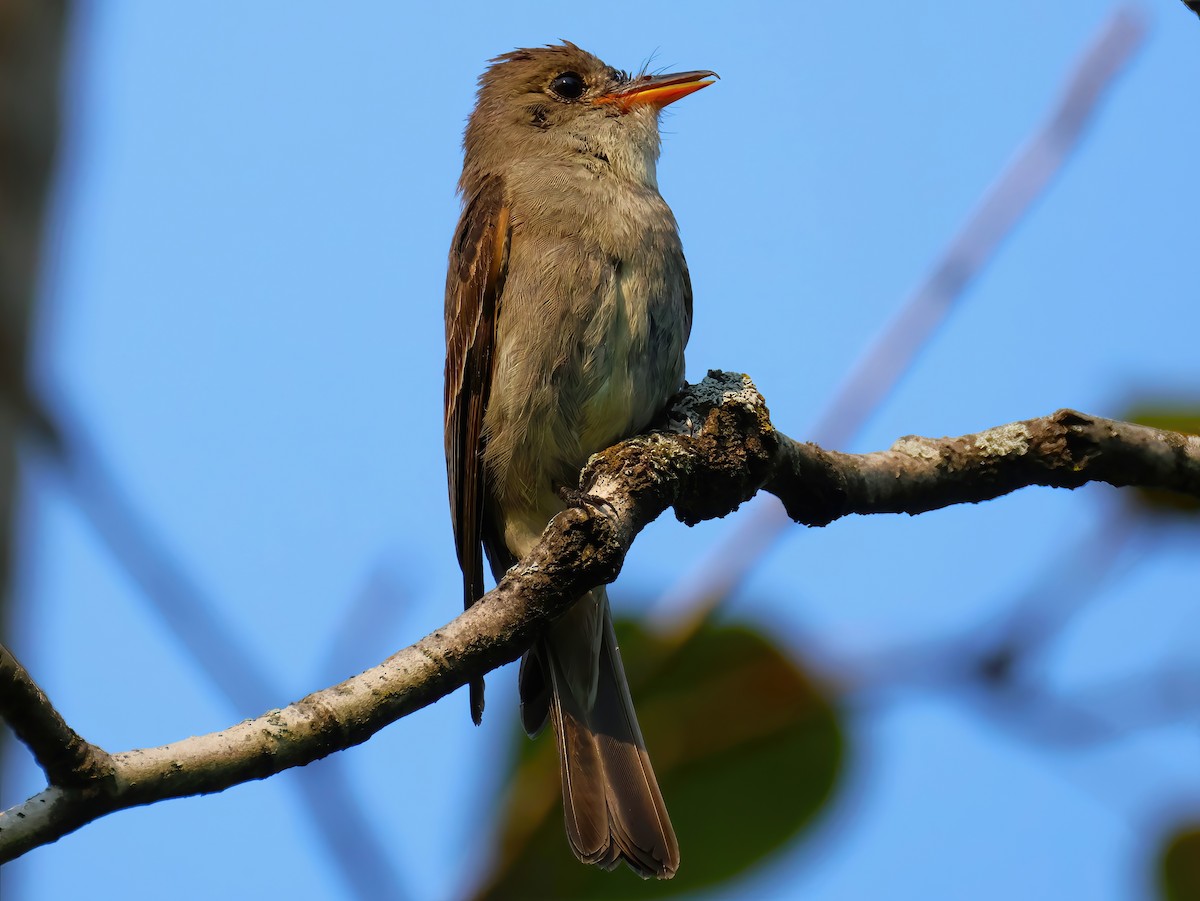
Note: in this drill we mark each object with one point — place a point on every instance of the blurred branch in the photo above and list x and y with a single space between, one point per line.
995 664
1002 649
1006 202
212 642
189 613
1000 669
719 451
31 38
1193 5
892 354
31 47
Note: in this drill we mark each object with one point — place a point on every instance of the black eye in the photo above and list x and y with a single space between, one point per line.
568 86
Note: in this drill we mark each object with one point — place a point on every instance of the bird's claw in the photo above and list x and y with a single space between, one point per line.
573 497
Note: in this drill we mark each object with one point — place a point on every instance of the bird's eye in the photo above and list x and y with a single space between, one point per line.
568 86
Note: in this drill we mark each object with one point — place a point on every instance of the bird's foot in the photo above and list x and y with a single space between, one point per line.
573 497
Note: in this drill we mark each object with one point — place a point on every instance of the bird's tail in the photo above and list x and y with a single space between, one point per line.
613 807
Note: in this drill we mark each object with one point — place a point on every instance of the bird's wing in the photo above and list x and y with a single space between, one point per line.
474 284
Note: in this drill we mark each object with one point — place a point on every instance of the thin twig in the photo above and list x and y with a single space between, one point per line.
65 758
209 639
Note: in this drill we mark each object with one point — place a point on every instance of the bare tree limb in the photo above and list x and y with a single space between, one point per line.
1064 450
719 450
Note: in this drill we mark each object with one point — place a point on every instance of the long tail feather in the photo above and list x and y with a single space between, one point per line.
611 800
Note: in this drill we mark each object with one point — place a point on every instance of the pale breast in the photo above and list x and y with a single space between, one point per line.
591 331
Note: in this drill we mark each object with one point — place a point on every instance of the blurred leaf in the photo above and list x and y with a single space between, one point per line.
1179 867
746 747
1174 418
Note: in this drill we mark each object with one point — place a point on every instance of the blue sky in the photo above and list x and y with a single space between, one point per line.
243 302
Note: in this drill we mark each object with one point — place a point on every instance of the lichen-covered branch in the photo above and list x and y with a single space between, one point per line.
716 451
1063 450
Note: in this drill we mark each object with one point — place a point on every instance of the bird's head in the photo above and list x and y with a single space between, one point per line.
561 103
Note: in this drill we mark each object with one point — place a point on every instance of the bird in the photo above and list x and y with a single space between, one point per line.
568 307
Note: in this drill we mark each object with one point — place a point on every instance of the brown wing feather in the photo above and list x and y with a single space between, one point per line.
474 284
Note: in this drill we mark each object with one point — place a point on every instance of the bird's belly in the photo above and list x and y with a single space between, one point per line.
619 357
624 378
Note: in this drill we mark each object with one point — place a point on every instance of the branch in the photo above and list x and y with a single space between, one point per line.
718 450
64 757
1064 450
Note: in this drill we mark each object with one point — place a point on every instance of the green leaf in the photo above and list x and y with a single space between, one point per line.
1176 417
1179 866
746 746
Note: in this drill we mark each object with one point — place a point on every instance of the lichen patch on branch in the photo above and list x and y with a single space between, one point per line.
1004 440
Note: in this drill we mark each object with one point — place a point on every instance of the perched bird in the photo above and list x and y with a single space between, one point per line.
568 305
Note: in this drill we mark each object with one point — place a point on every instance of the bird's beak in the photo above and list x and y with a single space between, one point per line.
657 90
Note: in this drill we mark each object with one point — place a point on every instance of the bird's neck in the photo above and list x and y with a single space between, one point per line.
623 151
623 160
